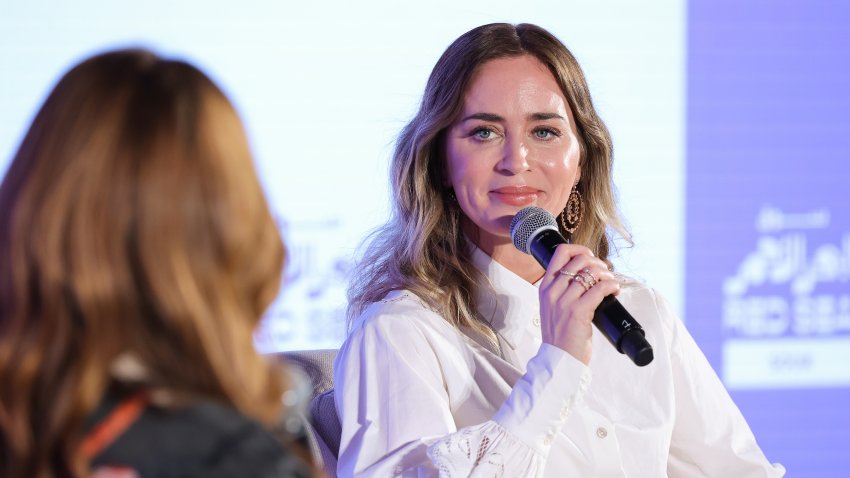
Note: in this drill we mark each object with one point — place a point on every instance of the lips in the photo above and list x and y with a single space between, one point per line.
516 195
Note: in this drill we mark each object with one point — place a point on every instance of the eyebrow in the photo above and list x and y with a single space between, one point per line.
496 118
546 116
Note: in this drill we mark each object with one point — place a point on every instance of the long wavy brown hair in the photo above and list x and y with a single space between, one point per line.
422 247
131 222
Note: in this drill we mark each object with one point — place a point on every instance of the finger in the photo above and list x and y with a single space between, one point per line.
593 296
557 286
579 286
584 284
561 283
574 278
592 268
566 290
564 253
606 275
577 264
568 251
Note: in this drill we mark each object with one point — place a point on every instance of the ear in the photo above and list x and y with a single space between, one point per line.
578 175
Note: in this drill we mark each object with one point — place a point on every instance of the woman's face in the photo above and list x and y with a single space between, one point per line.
513 145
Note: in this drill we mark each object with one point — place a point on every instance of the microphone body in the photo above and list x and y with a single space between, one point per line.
537 235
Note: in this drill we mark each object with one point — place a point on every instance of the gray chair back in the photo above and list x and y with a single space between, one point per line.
323 428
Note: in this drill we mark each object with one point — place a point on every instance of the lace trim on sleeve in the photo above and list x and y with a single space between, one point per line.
484 450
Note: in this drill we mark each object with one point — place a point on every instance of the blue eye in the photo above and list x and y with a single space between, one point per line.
546 133
482 133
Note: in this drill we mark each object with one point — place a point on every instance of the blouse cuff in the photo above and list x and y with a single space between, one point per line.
540 402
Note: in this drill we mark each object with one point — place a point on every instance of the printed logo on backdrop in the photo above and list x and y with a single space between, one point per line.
786 309
309 313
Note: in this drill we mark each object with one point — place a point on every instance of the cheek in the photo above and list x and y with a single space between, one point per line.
562 171
564 157
562 168
458 164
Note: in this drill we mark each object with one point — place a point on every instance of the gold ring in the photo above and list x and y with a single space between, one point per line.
567 273
587 279
583 280
586 270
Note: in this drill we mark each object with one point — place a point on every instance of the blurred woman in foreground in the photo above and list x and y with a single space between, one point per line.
137 254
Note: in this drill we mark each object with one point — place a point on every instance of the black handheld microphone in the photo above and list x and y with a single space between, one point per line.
534 231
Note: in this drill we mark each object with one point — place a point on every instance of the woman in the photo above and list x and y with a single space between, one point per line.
137 254
467 357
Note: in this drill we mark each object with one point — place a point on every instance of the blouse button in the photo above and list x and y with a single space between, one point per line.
601 432
536 321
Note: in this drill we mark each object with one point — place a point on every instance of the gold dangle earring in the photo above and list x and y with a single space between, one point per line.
571 215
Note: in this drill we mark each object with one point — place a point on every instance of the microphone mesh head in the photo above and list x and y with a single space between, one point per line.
527 222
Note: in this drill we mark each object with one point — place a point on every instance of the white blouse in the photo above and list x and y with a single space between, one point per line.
416 397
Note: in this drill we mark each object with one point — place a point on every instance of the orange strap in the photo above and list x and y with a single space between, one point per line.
107 431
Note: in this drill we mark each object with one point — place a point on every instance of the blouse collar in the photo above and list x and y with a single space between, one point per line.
507 301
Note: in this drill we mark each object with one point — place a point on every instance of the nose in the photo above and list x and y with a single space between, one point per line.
514 157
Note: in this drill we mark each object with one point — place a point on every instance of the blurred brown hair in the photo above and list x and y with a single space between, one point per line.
131 221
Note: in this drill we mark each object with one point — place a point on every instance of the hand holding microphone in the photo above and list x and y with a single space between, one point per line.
574 284
534 231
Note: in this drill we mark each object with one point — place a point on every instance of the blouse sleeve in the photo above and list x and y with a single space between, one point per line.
392 400
710 435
